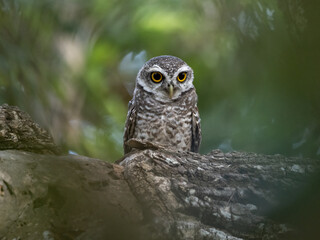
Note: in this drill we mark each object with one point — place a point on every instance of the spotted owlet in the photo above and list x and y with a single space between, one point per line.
164 109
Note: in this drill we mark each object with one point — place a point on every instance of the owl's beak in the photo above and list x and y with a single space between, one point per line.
170 91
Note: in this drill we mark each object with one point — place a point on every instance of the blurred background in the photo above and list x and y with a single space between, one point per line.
72 64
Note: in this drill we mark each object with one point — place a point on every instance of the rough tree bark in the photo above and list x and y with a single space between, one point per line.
18 131
152 194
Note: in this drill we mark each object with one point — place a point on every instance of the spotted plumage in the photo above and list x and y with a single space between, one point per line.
163 109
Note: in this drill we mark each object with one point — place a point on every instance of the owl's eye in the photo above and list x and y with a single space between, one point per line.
156 77
182 76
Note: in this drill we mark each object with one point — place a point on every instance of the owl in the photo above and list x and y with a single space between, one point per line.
164 109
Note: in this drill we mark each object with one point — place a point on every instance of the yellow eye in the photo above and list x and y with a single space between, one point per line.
182 76
156 77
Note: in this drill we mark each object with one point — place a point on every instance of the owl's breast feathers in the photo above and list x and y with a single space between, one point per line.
175 124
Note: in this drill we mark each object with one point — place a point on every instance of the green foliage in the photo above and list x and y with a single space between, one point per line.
255 68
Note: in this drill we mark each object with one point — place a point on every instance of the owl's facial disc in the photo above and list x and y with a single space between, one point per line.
164 79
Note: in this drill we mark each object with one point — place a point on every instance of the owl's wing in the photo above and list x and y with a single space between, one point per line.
129 126
196 130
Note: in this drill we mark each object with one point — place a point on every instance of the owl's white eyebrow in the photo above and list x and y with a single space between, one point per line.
155 68
184 69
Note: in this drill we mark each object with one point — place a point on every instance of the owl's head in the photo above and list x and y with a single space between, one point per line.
167 77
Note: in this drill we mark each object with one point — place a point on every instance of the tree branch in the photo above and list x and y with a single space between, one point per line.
153 193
